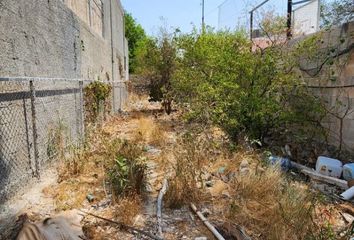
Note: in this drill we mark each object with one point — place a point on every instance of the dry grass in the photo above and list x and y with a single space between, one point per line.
89 170
269 205
192 154
150 132
126 209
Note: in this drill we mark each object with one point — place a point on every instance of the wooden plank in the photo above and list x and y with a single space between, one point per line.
331 180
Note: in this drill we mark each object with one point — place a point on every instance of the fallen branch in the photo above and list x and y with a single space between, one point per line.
121 225
159 207
207 223
331 180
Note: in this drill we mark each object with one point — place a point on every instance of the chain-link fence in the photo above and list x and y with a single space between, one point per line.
39 118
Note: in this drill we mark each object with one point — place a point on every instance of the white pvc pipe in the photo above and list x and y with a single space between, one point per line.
349 194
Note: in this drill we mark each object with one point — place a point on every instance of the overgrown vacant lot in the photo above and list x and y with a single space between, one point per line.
120 171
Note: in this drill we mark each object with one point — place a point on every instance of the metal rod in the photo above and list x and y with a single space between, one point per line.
251 25
34 130
299 2
112 56
82 110
251 16
203 16
27 137
289 16
259 5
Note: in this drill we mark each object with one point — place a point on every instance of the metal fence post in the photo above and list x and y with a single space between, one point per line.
114 98
82 109
34 126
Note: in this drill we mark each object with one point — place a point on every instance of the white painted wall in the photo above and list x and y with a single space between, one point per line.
306 18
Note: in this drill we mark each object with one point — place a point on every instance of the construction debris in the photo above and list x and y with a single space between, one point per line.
207 223
159 206
348 194
130 229
331 180
329 167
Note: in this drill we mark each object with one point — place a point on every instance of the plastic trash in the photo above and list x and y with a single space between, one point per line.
329 167
347 195
284 163
348 171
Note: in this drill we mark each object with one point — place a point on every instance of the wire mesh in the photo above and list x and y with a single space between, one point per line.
39 120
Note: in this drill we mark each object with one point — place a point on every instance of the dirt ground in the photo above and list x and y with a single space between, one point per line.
86 192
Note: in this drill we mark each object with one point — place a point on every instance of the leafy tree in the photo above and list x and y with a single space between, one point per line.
336 12
246 93
157 61
135 34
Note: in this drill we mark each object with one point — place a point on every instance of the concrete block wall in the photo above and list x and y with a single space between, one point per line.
335 83
45 39
40 38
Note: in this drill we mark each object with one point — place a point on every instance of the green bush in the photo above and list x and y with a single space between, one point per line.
127 172
157 61
256 94
96 96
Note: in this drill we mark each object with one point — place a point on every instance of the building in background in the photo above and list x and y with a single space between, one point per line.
306 18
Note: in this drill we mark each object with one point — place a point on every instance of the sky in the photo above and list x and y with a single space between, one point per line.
185 14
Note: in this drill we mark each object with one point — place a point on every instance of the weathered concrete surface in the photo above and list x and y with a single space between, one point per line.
41 38
52 39
335 83
38 38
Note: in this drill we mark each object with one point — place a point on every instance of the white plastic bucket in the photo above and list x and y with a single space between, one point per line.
329 167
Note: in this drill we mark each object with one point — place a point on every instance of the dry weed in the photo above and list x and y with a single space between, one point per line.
126 209
150 132
269 205
192 155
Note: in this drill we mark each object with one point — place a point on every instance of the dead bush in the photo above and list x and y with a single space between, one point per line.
149 132
270 205
191 156
127 209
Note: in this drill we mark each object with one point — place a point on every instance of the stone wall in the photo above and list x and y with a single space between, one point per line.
330 73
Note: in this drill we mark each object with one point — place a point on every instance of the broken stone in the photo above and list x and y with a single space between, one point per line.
244 164
201 238
348 218
209 183
226 194
244 168
152 150
244 171
206 212
225 179
90 198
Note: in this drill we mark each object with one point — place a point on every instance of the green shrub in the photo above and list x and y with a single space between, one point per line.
127 172
96 96
246 93
157 60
